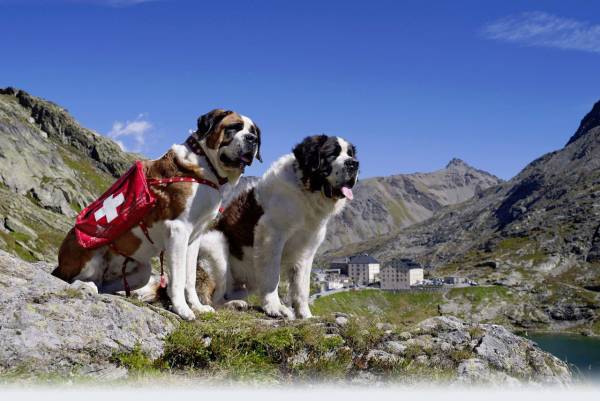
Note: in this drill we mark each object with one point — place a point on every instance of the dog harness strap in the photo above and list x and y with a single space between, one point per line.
125 283
165 181
163 281
144 229
197 149
125 261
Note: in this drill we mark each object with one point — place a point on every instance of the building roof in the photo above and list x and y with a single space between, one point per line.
343 259
404 263
363 259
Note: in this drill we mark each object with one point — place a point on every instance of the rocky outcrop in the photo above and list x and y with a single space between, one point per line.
55 123
591 120
496 354
49 326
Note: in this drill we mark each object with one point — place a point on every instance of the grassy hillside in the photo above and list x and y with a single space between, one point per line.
483 304
400 308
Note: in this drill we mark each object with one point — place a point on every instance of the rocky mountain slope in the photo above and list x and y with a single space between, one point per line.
385 204
538 233
50 168
52 330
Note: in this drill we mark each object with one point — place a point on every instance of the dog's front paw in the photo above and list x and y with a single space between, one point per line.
236 304
184 312
201 309
278 310
85 285
304 313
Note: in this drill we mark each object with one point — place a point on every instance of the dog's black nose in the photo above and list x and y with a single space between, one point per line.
351 164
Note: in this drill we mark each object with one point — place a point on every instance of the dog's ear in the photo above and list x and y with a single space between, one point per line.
209 121
308 152
258 140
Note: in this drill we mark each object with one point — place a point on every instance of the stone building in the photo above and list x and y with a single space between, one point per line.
401 274
363 269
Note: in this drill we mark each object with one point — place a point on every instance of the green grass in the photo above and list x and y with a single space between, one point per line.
402 309
244 346
513 243
50 227
398 211
13 247
135 361
481 295
236 345
561 292
595 328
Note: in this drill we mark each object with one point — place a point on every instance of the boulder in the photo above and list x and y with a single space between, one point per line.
47 325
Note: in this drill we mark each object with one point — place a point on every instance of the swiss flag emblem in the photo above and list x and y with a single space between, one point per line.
121 207
109 208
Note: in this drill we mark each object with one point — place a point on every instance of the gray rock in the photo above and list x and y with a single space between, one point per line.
15 225
473 368
395 347
379 358
385 326
501 349
441 324
476 371
47 325
405 335
298 359
422 360
341 320
516 355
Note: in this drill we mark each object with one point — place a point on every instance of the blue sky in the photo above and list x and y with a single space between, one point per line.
411 83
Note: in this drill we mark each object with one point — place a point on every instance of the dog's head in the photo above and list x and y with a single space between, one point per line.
231 141
327 164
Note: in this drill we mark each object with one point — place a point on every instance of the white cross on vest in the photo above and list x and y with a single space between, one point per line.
109 208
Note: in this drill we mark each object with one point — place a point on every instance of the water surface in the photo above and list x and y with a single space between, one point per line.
580 352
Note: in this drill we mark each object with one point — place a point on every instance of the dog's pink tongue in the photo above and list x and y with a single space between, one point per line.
347 193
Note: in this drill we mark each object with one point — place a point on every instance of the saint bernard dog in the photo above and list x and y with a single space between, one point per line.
274 228
223 145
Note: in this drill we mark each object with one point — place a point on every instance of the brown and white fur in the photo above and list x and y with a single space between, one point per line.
229 143
276 226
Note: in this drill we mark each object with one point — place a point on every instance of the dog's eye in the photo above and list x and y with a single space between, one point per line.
230 132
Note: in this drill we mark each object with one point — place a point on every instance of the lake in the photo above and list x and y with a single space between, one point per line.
581 352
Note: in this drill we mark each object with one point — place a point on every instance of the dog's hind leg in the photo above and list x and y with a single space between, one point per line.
136 278
213 262
150 292
190 284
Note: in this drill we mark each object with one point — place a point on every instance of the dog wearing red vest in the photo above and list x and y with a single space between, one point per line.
186 203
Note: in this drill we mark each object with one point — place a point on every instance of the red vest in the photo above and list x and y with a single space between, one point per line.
120 208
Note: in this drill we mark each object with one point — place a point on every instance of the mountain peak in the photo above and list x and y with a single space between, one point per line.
456 162
591 120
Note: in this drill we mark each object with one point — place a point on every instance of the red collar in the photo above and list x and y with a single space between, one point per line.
195 147
164 181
